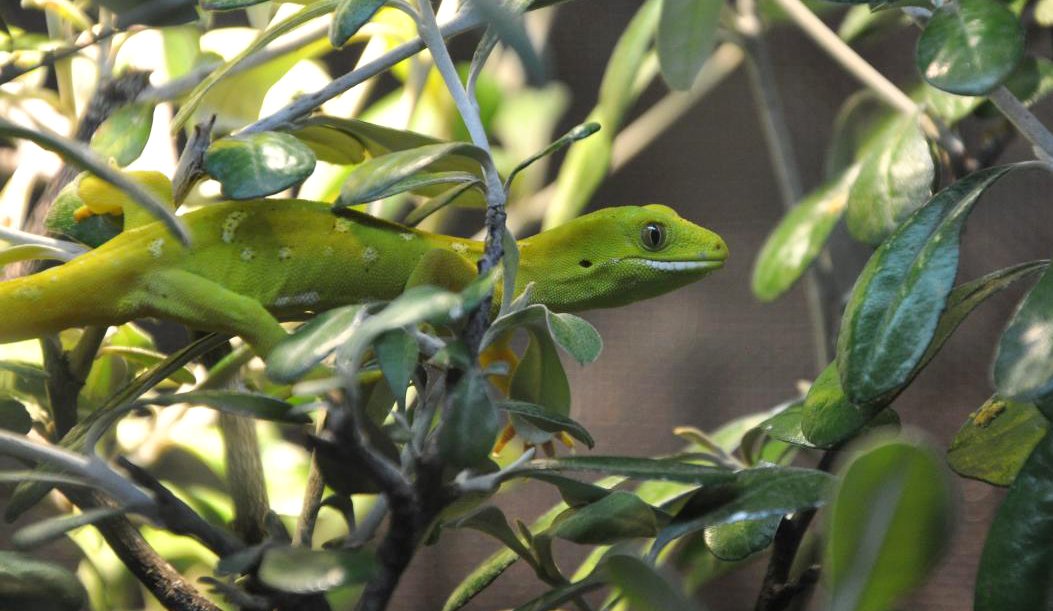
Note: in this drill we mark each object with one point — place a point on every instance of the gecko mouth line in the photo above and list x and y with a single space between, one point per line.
682 266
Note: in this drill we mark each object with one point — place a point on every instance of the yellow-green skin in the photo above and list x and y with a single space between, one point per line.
253 263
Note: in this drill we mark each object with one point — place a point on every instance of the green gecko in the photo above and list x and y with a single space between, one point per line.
253 263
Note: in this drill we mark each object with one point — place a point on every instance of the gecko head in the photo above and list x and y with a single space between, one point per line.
616 256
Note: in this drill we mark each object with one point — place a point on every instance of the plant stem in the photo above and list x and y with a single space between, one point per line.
1026 123
780 147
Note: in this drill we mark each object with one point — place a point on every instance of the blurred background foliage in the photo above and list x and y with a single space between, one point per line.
861 307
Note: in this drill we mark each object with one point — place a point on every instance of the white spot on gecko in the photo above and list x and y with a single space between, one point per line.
302 299
248 254
156 248
328 251
230 224
31 293
342 225
284 253
407 236
370 254
459 247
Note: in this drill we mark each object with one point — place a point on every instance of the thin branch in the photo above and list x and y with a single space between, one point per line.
1026 123
306 104
11 71
780 146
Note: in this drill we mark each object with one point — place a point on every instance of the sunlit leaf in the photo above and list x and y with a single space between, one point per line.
995 441
969 47
259 164
123 135
375 178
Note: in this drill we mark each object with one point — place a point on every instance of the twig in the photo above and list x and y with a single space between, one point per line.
1025 122
780 147
306 104
67 374
191 166
860 68
160 578
11 71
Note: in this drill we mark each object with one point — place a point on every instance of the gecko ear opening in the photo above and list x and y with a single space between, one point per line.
585 263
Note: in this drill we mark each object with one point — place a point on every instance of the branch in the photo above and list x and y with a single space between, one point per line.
11 71
1025 122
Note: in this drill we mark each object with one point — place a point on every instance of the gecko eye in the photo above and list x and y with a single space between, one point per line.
653 236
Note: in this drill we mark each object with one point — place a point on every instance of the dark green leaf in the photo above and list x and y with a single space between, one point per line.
573 333
1023 367
1014 566
642 587
257 165
574 493
995 441
144 357
259 406
374 178
123 135
638 468
827 416
311 344
687 33
491 521
539 378
898 298
93 231
144 12
27 583
558 597
15 418
889 522
397 354
1030 82
53 528
738 540
799 237
507 25
547 421
970 46
786 426
896 176
349 17
304 571
618 516
471 424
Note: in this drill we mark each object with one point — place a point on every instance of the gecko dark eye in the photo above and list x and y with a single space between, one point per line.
653 236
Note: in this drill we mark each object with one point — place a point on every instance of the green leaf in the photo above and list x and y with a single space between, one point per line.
94 231
48 530
471 424
27 583
859 22
397 353
860 120
638 468
1030 82
687 33
1014 566
574 493
828 418
123 135
304 571
898 298
259 406
895 178
756 494
375 178
642 588
507 25
558 597
618 516
969 47
349 17
15 418
1023 367
786 425
297 354
572 333
799 237
257 165
539 378
547 421
994 441
491 520
888 524
738 540
433 205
